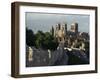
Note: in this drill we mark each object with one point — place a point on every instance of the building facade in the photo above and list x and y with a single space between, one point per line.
74 27
60 32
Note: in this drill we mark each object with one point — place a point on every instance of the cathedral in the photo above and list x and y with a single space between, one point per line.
59 31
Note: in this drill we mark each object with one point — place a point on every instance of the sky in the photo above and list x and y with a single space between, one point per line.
44 21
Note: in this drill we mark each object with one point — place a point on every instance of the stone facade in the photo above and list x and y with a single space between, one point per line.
74 27
60 32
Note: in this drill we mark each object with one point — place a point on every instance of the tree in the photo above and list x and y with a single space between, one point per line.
30 37
39 39
49 42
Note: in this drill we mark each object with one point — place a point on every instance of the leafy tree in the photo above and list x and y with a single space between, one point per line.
30 37
49 42
39 39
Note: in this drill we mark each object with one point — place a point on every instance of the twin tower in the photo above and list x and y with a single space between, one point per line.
60 30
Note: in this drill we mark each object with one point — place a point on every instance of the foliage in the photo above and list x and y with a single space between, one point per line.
44 40
49 42
30 37
39 39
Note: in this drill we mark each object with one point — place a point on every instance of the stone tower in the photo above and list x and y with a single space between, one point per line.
74 27
60 32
